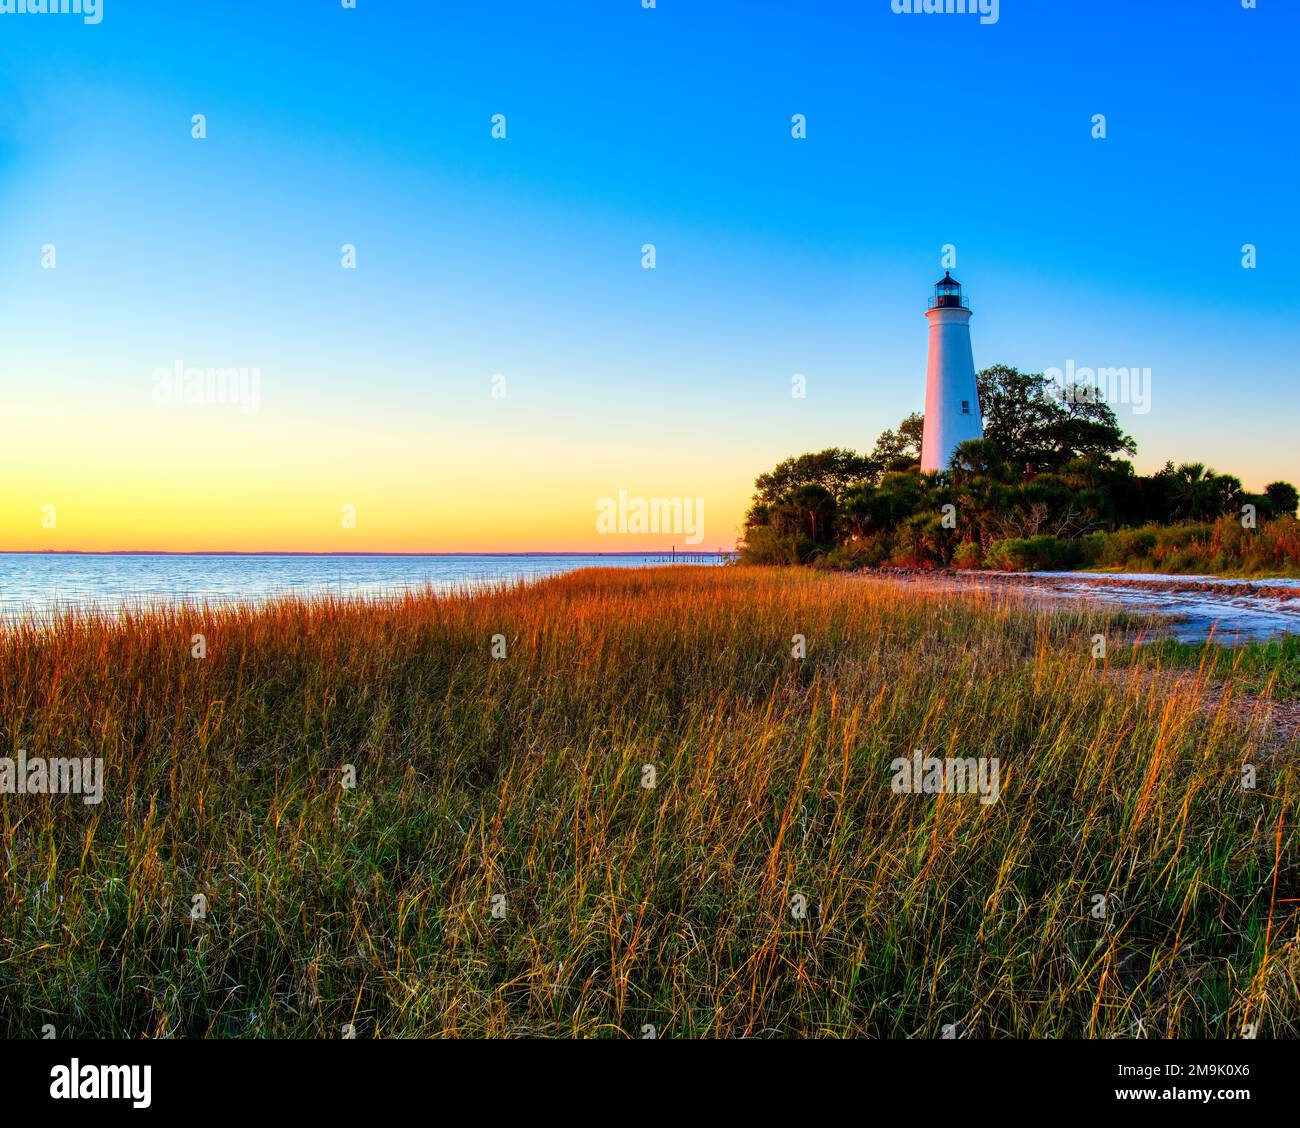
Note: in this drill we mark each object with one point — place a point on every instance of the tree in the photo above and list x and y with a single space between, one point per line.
900 494
1283 498
1199 494
809 511
1039 429
901 449
979 457
834 470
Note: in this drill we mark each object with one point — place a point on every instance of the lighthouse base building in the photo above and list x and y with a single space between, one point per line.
952 408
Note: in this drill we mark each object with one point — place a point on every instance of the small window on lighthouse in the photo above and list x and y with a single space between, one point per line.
965 407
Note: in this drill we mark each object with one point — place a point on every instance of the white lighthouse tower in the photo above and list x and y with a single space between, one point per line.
952 409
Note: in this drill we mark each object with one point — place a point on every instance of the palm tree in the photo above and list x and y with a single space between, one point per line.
1199 494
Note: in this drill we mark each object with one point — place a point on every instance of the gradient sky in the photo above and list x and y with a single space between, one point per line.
523 257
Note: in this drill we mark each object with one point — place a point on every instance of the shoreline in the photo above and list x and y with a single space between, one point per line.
1194 608
1191 609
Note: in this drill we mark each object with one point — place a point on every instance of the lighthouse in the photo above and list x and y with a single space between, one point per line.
952 408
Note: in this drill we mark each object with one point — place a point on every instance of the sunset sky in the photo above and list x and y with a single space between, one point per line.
522 256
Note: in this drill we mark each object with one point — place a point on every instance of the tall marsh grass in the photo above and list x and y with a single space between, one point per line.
515 784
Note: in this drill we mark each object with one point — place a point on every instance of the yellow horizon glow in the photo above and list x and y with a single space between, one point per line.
213 482
480 478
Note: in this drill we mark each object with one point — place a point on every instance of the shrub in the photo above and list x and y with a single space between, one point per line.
1225 547
841 558
1125 546
1091 547
1033 554
764 546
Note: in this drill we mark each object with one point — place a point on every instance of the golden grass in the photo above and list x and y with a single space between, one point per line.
627 906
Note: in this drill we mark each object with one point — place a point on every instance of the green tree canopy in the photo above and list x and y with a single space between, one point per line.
1038 429
1283 497
834 470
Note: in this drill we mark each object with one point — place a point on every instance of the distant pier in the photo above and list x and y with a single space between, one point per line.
719 556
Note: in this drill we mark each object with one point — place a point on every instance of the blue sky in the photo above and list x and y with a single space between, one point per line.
626 126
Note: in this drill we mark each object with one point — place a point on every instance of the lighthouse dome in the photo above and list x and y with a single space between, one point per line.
948 294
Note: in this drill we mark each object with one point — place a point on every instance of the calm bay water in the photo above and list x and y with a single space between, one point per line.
34 585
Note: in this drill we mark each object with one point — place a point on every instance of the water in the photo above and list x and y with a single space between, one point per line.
1195 608
1198 608
37 584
